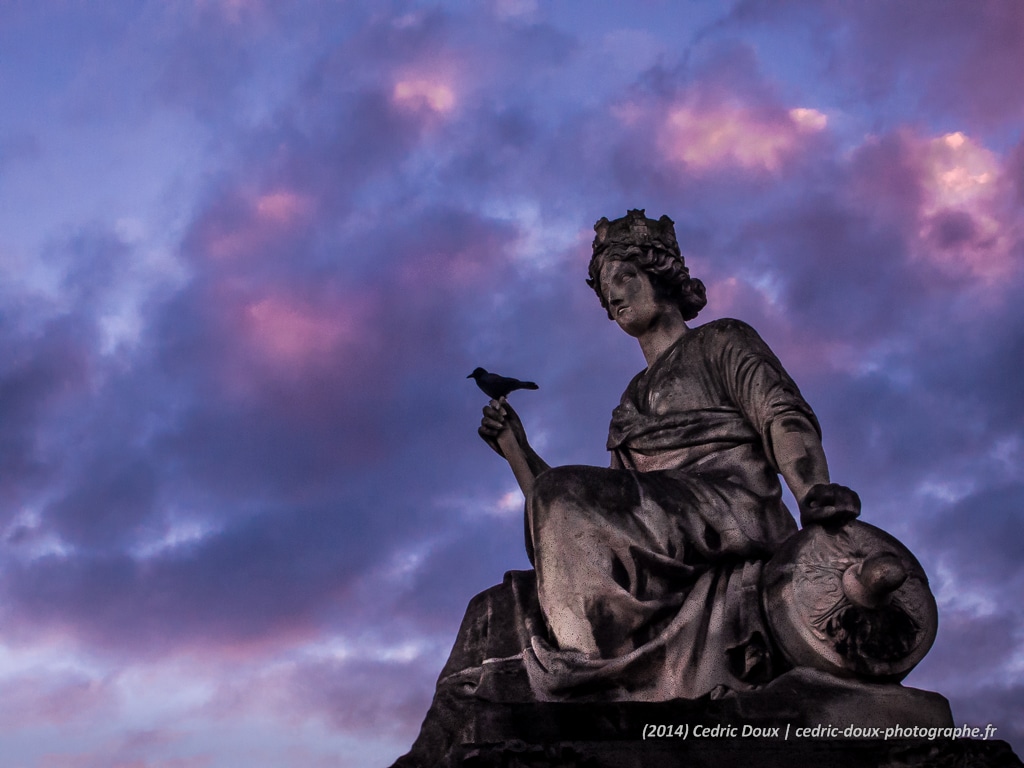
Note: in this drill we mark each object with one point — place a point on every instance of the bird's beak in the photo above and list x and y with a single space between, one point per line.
470 376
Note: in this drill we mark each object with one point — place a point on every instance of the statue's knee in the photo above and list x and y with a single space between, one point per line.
556 484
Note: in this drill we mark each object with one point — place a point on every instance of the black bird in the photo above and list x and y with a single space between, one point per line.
495 386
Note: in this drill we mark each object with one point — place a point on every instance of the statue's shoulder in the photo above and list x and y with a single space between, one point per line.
629 394
725 330
728 339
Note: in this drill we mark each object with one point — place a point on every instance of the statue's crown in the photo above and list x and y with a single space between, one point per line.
636 229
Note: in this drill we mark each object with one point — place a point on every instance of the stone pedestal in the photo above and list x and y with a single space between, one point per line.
485 716
800 722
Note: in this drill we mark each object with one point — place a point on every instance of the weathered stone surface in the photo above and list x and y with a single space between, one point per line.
497 625
849 600
484 714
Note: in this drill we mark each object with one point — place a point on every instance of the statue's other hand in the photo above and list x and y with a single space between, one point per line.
829 504
499 417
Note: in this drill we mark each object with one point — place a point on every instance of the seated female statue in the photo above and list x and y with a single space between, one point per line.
648 572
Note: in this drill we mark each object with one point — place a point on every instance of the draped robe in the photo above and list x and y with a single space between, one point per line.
648 572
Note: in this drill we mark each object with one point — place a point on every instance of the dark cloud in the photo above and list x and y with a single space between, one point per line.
887 56
258 459
39 374
998 705
981 49
980 532
240 587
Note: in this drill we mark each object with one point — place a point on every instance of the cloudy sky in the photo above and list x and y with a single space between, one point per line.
249 251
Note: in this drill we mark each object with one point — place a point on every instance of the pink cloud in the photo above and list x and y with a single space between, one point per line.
282 207
247 224
730 295
954 199
301 350
732 135
431 82
289 332
417 94
969 220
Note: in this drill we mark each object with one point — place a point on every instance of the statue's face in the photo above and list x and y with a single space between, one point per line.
632 300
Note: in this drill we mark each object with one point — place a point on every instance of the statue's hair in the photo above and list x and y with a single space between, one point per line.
667 271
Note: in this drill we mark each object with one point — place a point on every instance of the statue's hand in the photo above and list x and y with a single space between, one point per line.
829 504
500 422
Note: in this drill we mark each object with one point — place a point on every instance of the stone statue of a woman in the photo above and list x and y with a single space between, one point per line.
647 572
678 574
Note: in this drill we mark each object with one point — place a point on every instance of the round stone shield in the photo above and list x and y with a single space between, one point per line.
849 600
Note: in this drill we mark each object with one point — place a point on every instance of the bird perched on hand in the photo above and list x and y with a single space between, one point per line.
497 387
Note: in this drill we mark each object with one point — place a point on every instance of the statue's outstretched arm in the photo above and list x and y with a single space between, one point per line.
801 461
502 429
